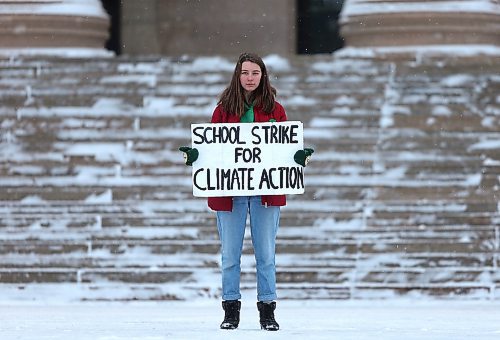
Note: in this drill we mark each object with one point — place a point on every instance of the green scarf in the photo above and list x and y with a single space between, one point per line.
248 116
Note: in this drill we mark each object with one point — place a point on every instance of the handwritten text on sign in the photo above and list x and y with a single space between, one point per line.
247 159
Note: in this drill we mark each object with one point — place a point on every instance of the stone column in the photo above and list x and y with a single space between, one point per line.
193 27
140 27
367 23
53 24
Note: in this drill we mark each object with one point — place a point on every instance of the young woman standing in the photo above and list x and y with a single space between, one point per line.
249 98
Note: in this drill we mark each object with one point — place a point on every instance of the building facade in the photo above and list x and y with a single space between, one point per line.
227 27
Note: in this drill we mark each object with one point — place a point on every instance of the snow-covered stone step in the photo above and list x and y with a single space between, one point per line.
298 212
209 288
418 218
132 134
103 291
435 217
439 176
437 290
81 68
88 247
429 122
452 141
91 275
173 103
457 243
446 73
434 260
335 231
425 194
170 113
69 142
284 276
385 194
115 177
132 259
33 195
398 180
95 271
320 195
473 205
429 276
141 258
43 168
163 208
99 220
91 221
96 180
120 291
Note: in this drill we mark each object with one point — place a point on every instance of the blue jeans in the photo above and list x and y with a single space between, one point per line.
264 224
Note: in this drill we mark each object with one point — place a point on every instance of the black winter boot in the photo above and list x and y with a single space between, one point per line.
232 314
266 312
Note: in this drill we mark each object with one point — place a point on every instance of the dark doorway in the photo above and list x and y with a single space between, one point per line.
317 26
113 7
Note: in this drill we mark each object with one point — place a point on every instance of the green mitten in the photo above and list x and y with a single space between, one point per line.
303 157
190 154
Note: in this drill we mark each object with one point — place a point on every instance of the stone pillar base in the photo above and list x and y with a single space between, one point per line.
54 24
418 22
17 31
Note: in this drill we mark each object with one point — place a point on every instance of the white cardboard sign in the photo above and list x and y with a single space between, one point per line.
244 159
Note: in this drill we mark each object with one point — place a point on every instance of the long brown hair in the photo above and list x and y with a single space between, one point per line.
232 98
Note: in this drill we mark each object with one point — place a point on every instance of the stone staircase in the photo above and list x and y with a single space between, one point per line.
401 198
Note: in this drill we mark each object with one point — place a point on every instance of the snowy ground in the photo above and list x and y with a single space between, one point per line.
313 319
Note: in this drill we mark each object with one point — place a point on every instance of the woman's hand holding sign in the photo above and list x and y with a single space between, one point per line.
190 154
303 157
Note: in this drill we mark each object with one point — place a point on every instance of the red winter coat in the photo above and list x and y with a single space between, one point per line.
220 116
